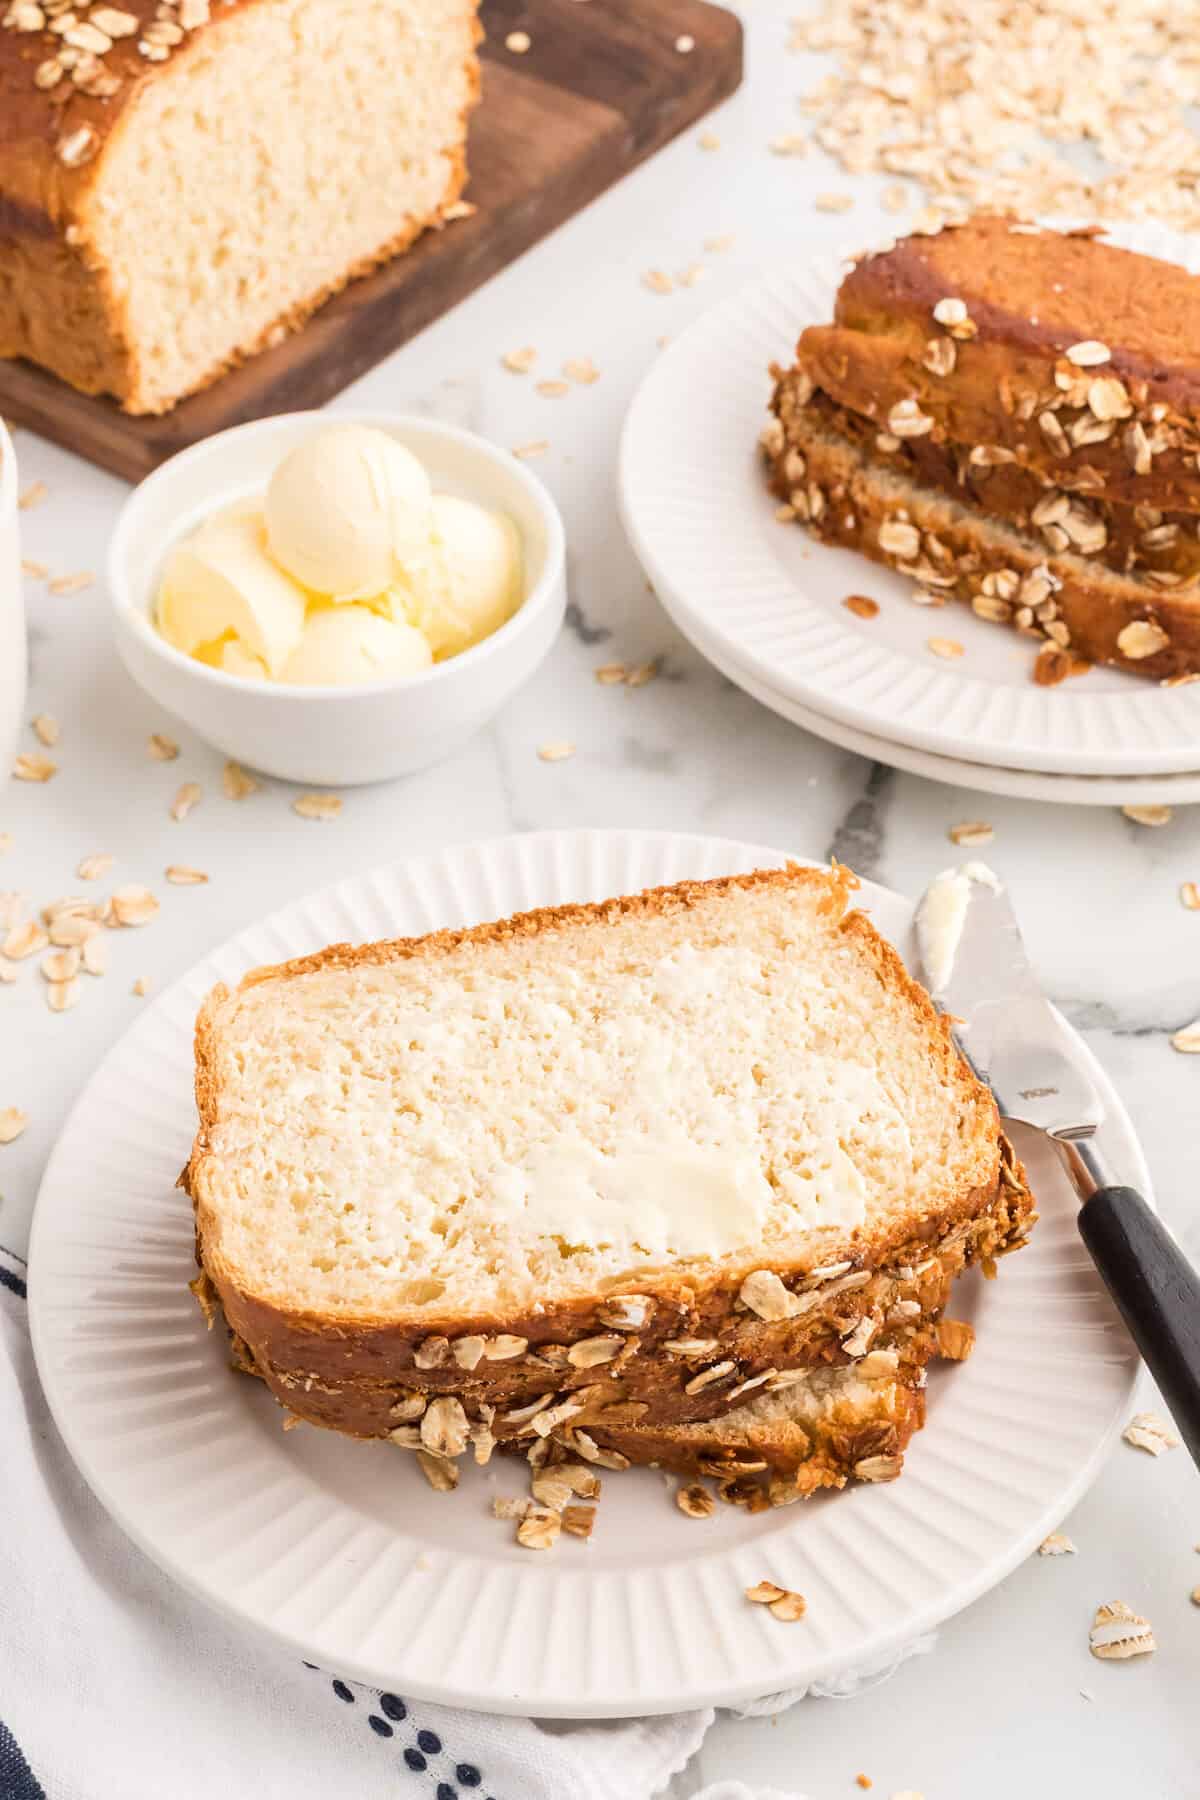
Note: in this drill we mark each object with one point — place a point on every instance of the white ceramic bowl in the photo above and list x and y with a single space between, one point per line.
12 610
333 736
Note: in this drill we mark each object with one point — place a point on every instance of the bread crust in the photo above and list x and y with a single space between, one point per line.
1137 540
1030 298
294 1346
963 554
60 305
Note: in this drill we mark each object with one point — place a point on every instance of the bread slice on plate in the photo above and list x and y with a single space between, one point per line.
642 1155
1073 356
1083 611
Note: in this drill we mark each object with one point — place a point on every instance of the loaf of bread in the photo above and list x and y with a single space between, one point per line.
1075 358
183 181
1081 610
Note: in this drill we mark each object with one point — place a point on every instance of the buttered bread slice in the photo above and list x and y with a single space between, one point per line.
705 1116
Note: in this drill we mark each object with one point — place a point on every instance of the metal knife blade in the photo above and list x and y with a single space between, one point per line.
979 973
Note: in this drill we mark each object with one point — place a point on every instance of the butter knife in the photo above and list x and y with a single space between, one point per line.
977 970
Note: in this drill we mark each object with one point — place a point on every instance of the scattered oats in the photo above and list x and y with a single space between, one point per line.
950 311
526 452
557 750
69 930
764 1593
708 140
317 806
658 281
577 1521
1118 1633
610 674
33 496
1195 1596
12 1123
1188 1039
94 955
1149 1431
1141 638
46 729
61 996
6 841
861 606
539 1529
459 209
8 972
180 875
61 965
71 584
441 1474
520 361
717 246
785 514
863 1781
1189 895
1057 1544
162 749
833 203
518 42
508 1506
695 1500
691 275
553 390
642 675
28 766
91 868
36 571
189 795
1148 815
685 44
133 905
947 647
1087 355
236 784
971 834
789 143
141 987
789 1607
581 369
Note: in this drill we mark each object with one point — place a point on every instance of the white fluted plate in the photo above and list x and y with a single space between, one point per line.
981 778
695 504
341 1551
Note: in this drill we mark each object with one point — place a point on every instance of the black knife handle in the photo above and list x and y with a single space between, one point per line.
1158 1293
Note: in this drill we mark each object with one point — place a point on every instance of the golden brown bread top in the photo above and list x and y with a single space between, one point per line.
1041 292
51 135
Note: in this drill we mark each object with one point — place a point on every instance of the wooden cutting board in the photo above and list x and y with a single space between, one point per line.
600 89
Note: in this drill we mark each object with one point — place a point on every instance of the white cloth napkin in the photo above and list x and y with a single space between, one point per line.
114 1685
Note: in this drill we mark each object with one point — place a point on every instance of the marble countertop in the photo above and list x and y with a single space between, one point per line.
1098 895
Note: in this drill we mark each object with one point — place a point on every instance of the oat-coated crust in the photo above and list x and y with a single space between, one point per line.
966 555
693 1300
59 304
1128 539
1031 298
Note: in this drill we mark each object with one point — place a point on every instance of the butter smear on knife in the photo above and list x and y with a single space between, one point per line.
942 915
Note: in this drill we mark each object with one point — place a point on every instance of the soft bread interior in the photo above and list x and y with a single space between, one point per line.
296 141
439 1126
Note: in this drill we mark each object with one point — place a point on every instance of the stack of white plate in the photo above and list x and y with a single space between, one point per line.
765 603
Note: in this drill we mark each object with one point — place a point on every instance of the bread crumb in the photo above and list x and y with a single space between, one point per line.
1189 896
30 767
524 452
610 674
1057 1544
36 571
556 750
1118 1633
46 729
1148 815
658 281
1151 1432
71 584
33 496
862 606
708 140
188 796
834 203
685 43
519 42
162 748
945 647
972 834
141 987
863 1781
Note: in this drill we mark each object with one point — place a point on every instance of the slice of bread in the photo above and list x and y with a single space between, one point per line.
1163 547
674 1117
1075 357
1080 609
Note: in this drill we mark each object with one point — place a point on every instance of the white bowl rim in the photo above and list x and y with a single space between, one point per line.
539 597
8 474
